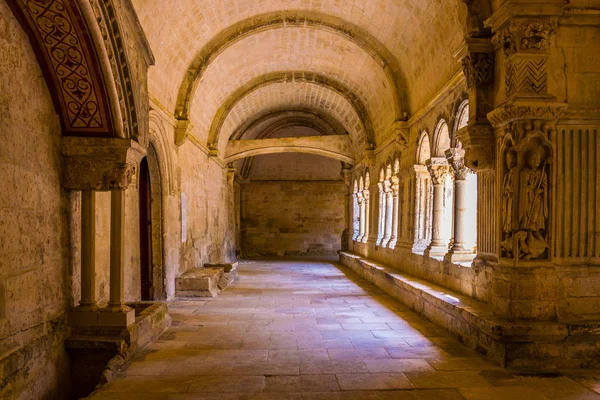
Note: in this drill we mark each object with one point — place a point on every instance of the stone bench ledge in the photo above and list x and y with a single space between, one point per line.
509 343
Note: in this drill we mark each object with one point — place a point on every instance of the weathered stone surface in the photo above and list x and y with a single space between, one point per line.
292 218
199 282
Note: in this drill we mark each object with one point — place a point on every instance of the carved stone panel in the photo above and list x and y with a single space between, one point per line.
527 158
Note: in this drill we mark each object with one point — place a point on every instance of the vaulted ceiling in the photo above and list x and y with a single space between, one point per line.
230 66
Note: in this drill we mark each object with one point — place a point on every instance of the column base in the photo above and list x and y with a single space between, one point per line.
436 251
83 316
459 256
116 316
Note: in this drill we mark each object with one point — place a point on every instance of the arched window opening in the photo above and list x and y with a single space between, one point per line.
441 177
441 139
465 197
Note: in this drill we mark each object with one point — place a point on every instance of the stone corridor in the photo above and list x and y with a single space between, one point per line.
313 330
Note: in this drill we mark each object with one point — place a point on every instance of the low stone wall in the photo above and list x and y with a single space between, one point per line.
530 345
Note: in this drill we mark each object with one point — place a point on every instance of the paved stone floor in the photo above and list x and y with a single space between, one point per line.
312 330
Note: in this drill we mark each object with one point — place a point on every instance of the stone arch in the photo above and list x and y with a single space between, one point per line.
423 149
268 123
287 20
305 149
441 139
461 120
290 76
158 139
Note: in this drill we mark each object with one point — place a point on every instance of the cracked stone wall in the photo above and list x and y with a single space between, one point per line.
34 280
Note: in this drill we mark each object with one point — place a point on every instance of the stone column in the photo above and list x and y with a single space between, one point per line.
395 189
387 217
439 170
422 195
362 224
458 252
355 217
366 212
117 313
88 251
381 214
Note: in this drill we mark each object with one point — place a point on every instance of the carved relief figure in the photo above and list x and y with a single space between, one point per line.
508 191
533 204
508 194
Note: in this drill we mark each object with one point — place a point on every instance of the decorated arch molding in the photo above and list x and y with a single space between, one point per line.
291 19
289 76
64 48
81 51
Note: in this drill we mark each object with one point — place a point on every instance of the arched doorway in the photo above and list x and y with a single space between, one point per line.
145 231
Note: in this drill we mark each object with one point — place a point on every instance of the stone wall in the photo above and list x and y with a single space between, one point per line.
34 276
292 218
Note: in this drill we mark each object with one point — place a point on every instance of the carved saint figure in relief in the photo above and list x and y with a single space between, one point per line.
533 205
508 191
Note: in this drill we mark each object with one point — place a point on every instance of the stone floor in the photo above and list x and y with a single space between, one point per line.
312 330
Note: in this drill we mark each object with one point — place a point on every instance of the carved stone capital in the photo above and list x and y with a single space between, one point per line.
515 110
99 164
456 158
478 68
478 143
439 169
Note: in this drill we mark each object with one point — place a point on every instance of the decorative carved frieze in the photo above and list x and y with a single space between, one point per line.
522 109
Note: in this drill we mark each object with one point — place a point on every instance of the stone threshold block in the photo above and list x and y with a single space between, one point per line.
230 273
520 345
199 282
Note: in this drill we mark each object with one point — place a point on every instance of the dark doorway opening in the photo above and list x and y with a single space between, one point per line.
145 232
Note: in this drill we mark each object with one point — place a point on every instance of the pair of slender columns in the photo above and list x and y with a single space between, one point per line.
117 250
439 170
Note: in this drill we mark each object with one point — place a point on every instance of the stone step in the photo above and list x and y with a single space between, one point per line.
199 282
230 273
